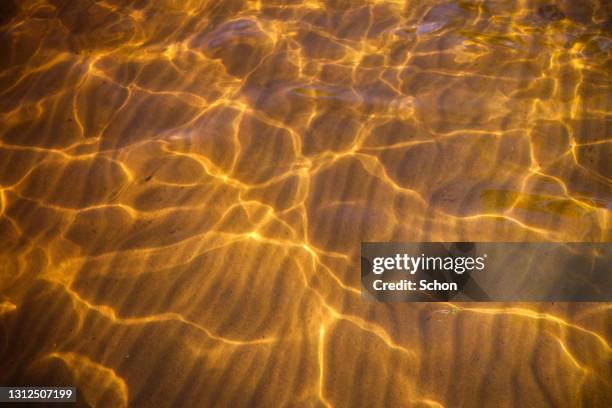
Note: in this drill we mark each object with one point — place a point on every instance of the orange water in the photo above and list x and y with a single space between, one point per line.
184 186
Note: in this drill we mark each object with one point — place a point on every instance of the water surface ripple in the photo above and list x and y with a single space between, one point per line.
184 186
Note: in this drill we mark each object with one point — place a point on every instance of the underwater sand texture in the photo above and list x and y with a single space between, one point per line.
184 186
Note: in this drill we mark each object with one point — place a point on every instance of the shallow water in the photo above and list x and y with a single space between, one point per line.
185 184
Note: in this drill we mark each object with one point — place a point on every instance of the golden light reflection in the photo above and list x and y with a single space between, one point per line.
184 186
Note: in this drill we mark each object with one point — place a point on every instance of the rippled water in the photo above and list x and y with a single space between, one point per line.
184 186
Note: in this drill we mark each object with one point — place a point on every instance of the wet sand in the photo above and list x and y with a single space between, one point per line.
184 186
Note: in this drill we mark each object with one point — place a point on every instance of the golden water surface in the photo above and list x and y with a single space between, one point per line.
184 185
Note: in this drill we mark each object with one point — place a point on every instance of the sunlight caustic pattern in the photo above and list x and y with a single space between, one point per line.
184 186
